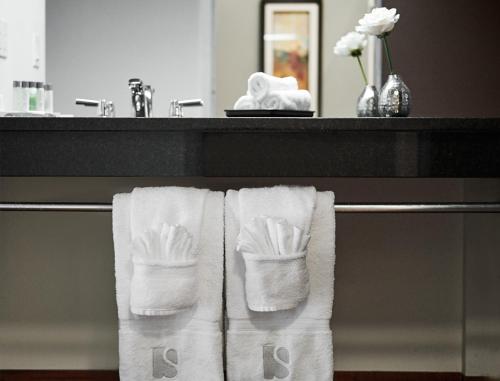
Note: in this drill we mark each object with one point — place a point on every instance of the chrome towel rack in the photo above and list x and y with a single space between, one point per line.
469 207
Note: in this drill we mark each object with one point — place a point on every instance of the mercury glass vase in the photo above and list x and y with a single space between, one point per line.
395 98
368 102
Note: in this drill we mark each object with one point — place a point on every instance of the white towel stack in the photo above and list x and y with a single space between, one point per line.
273 93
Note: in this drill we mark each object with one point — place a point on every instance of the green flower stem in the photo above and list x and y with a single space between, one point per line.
388 53
362 69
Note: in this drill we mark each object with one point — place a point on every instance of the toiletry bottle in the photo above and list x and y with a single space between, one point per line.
16 96
40 97
25 96
49 98
32 98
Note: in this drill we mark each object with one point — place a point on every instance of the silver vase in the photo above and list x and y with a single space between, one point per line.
368 102
395 98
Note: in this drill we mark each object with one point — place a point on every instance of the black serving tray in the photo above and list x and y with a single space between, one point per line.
269 113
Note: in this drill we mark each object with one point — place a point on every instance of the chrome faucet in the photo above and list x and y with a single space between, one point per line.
176 106
105 109
142 98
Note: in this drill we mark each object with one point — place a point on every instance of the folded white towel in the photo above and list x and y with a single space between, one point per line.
246 102
186 345
261 84
293 204
274 251
273 239
287 100
166 225
294 344
164 280
172 205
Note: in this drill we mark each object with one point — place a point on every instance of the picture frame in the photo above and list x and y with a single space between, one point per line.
290 43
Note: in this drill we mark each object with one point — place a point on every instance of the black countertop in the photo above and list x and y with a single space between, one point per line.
276 147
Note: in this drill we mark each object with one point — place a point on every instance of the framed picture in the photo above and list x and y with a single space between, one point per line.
290 43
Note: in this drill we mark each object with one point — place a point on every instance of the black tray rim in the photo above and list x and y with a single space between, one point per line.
268 113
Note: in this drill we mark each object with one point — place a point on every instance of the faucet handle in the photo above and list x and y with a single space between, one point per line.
176 106
105 109
191 102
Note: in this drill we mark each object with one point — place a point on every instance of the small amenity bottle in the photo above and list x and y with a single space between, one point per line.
40 97
49 99
32 96
17 100
25 96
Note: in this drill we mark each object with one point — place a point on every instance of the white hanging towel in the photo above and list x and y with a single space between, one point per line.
169 265
280 255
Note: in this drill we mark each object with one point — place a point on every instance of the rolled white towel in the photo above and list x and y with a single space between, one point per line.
246 102
303 99
261 84
287 100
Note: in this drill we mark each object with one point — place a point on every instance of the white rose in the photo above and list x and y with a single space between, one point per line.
378 22
352 44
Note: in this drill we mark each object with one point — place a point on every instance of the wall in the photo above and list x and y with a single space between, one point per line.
447 55
398 282
94 47
237 53
482 274
24 18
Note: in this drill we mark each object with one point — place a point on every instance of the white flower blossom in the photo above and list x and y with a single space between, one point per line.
379 22
351 44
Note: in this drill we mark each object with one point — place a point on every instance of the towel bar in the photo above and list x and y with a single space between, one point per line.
339 208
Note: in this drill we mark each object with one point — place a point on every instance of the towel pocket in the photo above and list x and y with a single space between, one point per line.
275 283
164 281
274 251
163 289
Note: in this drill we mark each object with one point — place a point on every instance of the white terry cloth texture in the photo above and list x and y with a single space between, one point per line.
261 84
164 280
273 93
293 344
287 100
246 102
166 224
186 345
276 276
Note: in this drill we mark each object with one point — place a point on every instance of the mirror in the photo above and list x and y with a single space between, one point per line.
90 49
95 47
184 49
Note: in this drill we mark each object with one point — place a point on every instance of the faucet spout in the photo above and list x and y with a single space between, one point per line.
142 98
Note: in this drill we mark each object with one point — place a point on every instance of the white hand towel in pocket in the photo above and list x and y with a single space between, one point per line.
164 279
276 276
